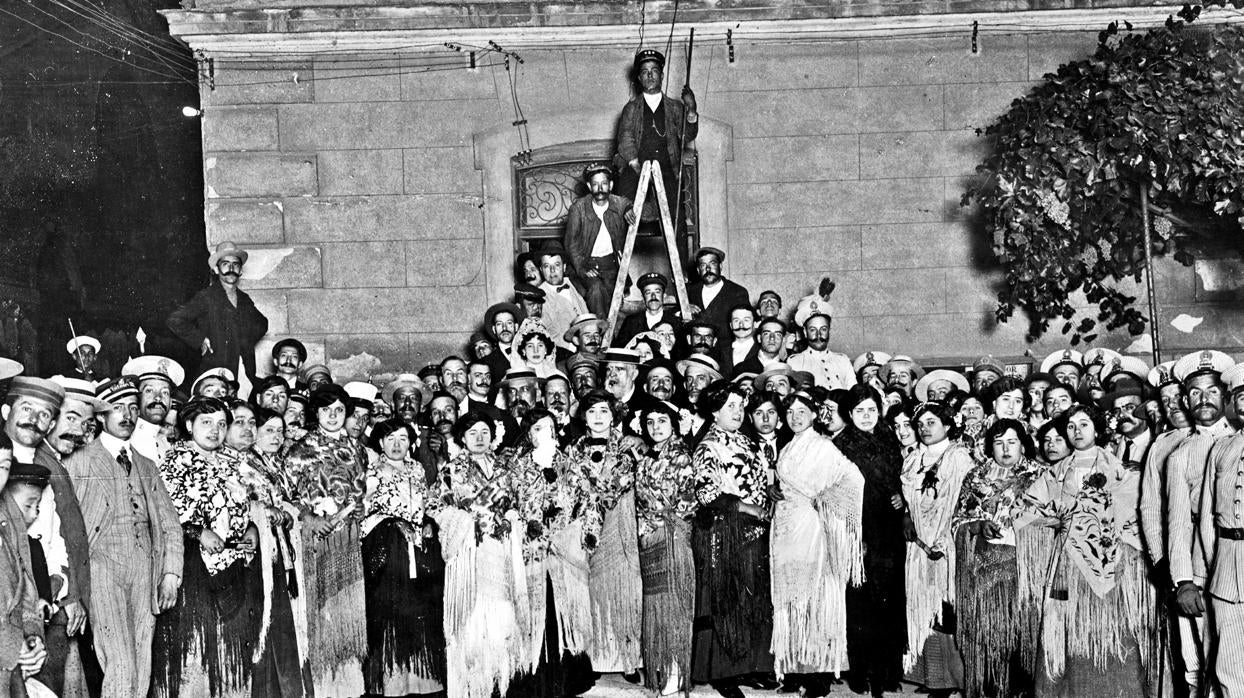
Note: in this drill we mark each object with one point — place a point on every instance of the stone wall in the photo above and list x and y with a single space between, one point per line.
845 158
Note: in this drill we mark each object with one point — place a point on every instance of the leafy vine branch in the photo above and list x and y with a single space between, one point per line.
1061 191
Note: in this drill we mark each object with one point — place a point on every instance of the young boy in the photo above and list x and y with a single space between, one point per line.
22 653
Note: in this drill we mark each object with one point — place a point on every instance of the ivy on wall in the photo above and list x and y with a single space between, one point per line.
1060 195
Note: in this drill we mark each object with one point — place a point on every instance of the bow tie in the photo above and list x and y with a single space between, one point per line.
563 287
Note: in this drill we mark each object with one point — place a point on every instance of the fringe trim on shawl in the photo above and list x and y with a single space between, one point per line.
569 571
1097 628
616 591
336 618
733 553
267 556
667 566
988 608
481 629
926 592
532 612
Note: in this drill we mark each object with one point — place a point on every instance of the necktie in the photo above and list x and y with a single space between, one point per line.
124 459
770 453
563 287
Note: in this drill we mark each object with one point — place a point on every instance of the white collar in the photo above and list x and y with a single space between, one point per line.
112 444
653 101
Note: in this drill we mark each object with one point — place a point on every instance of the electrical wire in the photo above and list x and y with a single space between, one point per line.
160 46
91 37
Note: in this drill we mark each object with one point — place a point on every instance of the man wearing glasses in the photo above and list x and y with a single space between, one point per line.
221 323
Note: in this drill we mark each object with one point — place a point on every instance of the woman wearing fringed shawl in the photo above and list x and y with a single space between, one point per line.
476 512
665 503
815 548
553 602
877 609
999 587
1005 398
1097 634
193 654
932 476
404 574
604 459
734 613
328 469
281 669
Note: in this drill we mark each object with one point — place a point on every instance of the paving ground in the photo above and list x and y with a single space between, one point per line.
614 686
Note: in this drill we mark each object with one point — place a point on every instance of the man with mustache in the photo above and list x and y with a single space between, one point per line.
1204 398
582 370
454 377
135 543
585 334
652 287
500 324
829 369
621 372
288 356
436 444
221 323
595 234
659 383
712 295
156 378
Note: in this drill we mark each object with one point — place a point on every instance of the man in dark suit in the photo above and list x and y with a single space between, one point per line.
713 295
621 378
652 286
595 235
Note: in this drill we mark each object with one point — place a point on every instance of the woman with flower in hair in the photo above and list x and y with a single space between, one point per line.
603 460
1097 635
932 477
536 350
327 471
665 504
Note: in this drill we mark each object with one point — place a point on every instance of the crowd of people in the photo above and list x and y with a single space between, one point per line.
722 501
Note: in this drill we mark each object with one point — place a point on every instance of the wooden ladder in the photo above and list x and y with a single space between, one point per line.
651 173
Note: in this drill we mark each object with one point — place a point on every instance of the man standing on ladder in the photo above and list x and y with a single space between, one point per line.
654 127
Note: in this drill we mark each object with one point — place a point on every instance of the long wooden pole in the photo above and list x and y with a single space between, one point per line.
1153 299
682 140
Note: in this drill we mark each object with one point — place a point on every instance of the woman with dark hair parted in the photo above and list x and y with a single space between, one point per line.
1098 635
327 469
404 574
281 667
877 609
478 519
1000 621
193 655
932 477
734 613
552 597
665 504
604 461
816 549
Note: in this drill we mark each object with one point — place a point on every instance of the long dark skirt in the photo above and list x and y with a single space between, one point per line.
280 671
877 620
559 673
667 566
203 645
405 628
991 622
734 614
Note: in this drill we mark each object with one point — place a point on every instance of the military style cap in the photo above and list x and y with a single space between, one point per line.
1124 366
988 363
650 279
1199 362
362 390
10 368
596 168
870 358
222 373
147 367
1234 377
1100 356
1069 357
650 54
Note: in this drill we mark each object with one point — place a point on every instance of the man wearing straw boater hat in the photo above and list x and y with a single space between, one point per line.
221 323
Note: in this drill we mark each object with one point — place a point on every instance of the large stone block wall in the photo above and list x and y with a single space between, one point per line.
358 187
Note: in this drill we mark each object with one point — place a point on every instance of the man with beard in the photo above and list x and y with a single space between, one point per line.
1204 397
585 334
500 323
702 339
595 234
583 374
772 334
900 372
135 541
522 392
156 377
271 392
697 371
652 287
436 445
84 354
712 295
621 371
221 323
454 377
359 411
562 302
829 369
31 412
288 355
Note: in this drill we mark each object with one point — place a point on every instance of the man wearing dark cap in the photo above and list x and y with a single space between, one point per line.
431 377
583 370
22 648
288 355
221 323
531 299
652 286
654 127
712 295
595 234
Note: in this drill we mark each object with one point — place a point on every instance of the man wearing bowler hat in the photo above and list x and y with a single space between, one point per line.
288 355
595 234
712 295
654 127
220 323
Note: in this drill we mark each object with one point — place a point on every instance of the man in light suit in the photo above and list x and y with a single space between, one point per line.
135 543
1221 532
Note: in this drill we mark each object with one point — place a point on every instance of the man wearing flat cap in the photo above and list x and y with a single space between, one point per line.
1204 397
531 299
288 356
595 235
712 295
652 287
654 127
221 323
